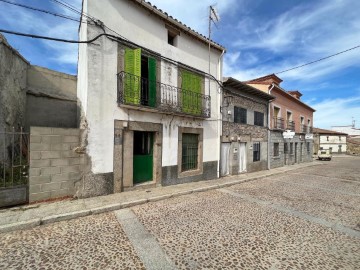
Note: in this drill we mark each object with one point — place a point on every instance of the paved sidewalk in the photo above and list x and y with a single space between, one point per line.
29 216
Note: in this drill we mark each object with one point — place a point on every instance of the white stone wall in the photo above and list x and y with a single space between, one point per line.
97 81
333 141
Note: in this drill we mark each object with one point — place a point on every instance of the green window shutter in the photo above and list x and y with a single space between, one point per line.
132 79
152 81
191 101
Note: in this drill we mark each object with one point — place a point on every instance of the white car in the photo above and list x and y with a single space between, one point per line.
324 154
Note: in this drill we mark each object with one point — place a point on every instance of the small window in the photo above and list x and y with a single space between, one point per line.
276 149
308 147
258 119
286 150
190 146
291 148
171 38
256 151
240 115
172 34
301 120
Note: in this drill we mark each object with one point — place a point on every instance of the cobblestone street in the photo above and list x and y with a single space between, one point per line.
304 219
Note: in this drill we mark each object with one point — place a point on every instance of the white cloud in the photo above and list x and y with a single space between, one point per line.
303 34
46 25
335 112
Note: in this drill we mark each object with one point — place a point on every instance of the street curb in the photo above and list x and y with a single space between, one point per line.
20 225
117 206
106 208
66 216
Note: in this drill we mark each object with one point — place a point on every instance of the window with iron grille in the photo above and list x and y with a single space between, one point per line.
256 151
286 149
190 146
291 148
240 115
258 119
276 149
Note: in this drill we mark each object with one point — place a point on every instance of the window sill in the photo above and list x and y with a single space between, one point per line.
190 173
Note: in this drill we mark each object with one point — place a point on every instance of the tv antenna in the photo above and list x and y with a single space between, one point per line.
213 17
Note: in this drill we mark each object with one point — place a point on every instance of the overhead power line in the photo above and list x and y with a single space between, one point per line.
42 10
56 39
111 37
318 60
73 9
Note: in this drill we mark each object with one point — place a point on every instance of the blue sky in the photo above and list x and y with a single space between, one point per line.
261 37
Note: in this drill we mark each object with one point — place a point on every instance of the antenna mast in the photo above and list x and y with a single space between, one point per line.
213 16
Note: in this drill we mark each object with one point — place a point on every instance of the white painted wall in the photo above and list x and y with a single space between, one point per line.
333 141
82 80
97 82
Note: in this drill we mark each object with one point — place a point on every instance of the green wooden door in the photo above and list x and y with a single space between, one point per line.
143 157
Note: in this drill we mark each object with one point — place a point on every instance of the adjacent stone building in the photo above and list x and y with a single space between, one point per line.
32 95
291 138
244 140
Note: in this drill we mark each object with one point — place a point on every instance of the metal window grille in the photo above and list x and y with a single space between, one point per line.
276 149
240 115
258 118
291 148
190 146
286 150
13 158
256 151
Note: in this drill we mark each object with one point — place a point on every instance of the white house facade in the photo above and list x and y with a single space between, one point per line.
331 140
148 99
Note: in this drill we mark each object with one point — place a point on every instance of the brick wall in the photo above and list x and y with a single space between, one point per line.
284 102
54 166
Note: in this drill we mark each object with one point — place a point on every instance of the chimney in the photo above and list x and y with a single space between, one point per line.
296 94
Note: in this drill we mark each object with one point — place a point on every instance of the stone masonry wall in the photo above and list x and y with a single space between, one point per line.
54 166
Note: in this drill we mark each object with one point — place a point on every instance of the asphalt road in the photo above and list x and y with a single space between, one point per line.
304 219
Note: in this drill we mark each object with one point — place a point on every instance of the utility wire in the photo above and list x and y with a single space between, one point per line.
73 9
318 60
112 37
42 10
56 39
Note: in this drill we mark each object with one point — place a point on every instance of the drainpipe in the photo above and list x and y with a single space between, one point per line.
219 101
268 131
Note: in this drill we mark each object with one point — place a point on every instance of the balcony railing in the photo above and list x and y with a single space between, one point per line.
140 92
278 123
290 125
303 128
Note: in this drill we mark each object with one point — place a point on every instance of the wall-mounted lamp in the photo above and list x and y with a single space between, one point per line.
227 100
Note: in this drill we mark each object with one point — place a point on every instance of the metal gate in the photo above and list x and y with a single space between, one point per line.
14 167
